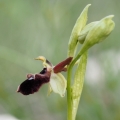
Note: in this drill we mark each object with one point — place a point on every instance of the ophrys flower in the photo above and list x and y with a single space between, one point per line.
57 82
50 74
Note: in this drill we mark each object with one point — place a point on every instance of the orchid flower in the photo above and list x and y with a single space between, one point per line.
50 74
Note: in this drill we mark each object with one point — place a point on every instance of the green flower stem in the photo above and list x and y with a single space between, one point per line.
69 98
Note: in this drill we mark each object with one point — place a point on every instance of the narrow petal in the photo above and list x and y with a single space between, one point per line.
46 63
58 83
61 66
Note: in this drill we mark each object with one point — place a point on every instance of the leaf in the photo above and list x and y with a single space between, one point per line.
78 84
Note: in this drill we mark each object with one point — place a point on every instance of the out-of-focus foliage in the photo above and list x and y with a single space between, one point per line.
41 27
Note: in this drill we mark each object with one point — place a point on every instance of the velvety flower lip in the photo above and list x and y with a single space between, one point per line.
34 82
50 74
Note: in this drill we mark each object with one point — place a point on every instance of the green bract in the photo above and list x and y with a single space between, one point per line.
79 25
78 83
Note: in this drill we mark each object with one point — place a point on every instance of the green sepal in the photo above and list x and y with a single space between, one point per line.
58 84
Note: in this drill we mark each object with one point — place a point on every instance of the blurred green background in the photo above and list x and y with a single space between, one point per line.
29 28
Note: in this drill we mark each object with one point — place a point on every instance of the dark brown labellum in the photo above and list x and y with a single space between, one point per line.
29 86
33 84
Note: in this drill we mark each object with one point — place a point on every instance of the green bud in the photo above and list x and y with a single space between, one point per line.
79 25
84 32
97 33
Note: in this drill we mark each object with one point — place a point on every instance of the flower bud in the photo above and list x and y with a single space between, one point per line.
84 32
97 33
